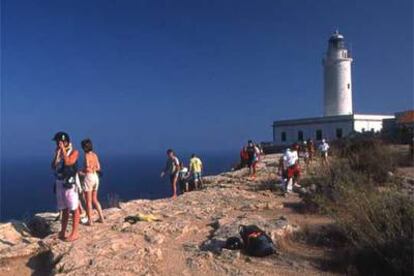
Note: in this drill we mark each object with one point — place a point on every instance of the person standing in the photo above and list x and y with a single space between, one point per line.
172 168
253 154
294 170
64 164
324 148
289 170
311 150
305 153
196 168
91 180
244 157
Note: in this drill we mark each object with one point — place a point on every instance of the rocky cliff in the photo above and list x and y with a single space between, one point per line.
186 239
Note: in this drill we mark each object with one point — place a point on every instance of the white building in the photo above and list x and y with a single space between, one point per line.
339 119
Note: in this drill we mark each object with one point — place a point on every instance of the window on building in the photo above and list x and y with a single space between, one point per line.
349 86
319 134
300 135
283 136
339 133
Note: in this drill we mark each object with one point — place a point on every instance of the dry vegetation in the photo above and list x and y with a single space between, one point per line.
372 210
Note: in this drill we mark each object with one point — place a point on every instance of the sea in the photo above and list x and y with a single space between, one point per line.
26 184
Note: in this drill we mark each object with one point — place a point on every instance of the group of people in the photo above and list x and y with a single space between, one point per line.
289 167
250 156
187 178
73 185
76 186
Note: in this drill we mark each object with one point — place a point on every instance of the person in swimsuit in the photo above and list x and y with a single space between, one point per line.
91 180
172 168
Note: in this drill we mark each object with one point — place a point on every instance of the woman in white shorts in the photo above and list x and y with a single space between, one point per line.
91 180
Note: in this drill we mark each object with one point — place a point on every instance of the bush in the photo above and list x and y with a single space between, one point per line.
369 156
377 220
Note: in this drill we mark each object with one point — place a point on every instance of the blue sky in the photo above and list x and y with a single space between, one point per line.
142 76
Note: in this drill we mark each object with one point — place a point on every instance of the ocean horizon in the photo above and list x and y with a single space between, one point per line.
27 183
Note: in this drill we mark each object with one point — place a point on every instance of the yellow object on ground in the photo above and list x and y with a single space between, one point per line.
141 217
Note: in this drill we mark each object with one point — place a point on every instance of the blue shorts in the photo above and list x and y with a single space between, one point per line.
197 176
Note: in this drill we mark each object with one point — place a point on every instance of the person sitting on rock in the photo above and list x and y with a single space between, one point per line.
183 178
64 164
172 167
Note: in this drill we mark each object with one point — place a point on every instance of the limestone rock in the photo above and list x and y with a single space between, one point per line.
16 240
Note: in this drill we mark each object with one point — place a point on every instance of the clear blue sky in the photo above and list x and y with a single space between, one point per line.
144 75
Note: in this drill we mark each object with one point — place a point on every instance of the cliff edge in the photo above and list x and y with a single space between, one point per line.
186 239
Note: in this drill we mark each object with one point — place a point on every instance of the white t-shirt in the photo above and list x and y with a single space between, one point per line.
290 158
324 147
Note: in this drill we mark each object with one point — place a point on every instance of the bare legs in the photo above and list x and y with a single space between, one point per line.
88 196
92 199
174 185
75 225
65 221
325 161
97 205
252 170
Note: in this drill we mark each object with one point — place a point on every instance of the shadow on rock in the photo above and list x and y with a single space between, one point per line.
41 264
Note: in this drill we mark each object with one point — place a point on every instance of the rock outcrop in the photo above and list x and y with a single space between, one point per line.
186 239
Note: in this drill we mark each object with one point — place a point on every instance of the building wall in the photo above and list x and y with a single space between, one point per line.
366 122
328 126
328 129
364 126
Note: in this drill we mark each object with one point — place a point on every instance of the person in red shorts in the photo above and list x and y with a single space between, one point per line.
293 171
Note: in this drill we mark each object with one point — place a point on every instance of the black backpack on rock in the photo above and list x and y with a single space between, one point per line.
256 242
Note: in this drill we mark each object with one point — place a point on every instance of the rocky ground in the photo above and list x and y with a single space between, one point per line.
188 239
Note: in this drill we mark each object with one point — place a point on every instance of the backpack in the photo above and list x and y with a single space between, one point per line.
68 175
233 243
256 242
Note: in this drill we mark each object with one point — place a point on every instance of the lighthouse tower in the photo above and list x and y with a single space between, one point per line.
337 78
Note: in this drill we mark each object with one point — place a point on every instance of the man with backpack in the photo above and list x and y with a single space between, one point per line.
64 164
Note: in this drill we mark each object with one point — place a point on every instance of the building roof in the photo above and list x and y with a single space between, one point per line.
406 117
332 119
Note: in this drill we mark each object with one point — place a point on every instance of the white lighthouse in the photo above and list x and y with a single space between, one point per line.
337 78
339 119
